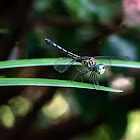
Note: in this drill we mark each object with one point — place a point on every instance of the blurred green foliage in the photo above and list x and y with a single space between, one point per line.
86 28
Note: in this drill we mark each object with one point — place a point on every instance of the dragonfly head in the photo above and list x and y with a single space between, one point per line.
100 68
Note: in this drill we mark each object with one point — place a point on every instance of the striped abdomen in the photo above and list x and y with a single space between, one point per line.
73 56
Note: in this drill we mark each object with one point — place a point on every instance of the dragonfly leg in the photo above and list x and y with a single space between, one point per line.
84 72
82 79
76 75
96 79
92 78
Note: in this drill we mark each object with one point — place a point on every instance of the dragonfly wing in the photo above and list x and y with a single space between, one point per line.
106 60
62 64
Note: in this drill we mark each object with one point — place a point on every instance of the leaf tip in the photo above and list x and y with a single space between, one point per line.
119 90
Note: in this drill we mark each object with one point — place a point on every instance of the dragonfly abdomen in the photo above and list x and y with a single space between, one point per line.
72 55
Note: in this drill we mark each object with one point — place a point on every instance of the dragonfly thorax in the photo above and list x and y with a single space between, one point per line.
90 63
100 68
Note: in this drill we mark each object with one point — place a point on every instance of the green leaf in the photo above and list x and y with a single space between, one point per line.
51 82
27 63
129 64
51 61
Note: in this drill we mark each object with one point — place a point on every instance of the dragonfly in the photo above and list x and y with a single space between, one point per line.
93 65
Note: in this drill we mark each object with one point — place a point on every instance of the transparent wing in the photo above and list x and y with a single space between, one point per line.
106 60
63 63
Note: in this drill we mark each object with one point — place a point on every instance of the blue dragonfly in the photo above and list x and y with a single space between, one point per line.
93 65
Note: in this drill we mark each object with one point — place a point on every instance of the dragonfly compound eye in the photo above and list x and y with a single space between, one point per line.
100 68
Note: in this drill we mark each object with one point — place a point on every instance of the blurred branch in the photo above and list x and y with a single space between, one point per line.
64 22
61 22
17 25
104 30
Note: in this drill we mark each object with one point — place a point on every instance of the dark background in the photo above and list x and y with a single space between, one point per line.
86 28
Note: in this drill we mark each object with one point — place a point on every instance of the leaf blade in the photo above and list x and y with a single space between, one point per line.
51 61
51 82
